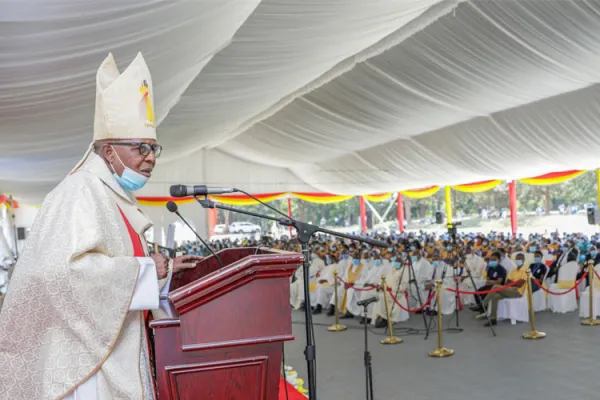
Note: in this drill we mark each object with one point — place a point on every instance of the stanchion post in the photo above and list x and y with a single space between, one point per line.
534 334
591 321
336 327
441 351
391 339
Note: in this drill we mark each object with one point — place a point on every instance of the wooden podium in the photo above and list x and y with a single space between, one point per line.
223 337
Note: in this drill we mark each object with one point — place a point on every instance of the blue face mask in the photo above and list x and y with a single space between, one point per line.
345 256
582 258
392 259
449 248
493 263
355 261
593 253
377 263
532 249
314 256
389 249
396 264
414 259
129 180
329 261
412 248
492 247
538 260
519 263
435 263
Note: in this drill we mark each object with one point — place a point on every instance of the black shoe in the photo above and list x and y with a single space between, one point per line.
330 311
302 306
432 313
362 321
380 322
477 309
492 322
348 315
317 310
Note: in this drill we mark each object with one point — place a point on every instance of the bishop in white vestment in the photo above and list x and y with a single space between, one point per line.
72 323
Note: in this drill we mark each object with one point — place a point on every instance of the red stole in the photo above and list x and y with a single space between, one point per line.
138 251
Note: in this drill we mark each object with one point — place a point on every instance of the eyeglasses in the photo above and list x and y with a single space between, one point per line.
143 147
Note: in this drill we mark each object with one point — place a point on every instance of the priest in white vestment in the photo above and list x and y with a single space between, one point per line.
354 272
440 271
371 279
324 287
397 278
423 271
72 323
297 287
476 265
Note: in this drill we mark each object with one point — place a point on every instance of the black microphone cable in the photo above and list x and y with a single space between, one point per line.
172 207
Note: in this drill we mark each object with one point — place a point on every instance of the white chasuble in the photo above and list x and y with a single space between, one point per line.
67 324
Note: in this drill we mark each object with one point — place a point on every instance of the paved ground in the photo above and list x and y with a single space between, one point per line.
564 365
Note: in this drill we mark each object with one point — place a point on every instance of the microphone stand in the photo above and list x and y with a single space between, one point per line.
305 232
368 365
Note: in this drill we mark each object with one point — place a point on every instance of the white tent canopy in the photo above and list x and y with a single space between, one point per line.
342 96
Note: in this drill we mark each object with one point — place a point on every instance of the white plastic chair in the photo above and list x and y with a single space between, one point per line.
566 302
584 301
514 309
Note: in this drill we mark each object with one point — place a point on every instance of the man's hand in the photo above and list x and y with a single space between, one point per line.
162 265
185 262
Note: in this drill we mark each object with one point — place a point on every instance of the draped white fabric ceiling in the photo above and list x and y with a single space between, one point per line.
343 96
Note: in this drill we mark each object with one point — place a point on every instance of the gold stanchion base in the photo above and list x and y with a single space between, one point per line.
337 328
391 340
590 322
534 335
441 352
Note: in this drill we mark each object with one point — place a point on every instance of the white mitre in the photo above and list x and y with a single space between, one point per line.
124 103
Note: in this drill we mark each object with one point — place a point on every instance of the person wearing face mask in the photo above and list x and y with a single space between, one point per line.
96 256
296 289
398 274
324 286
506 262
494 274
423 271
356 271
372 278
583 261
476 266
426 280
519 275
537 267
566 255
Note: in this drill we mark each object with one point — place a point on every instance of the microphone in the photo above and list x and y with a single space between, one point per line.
198 190
172 207
366 302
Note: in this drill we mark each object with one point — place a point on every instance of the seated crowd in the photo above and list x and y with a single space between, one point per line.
412 263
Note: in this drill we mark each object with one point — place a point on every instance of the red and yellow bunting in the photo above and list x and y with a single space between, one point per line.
552 178
376 198
243 200
477 187
6 200
234 200
322 198
421 193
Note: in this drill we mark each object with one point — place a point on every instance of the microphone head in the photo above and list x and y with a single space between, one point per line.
178 191
171 205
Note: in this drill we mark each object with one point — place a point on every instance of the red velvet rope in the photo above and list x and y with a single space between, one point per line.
365 289
596 272
484 291
561 293
408 309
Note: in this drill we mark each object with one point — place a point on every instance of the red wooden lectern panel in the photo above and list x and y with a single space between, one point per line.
224 339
